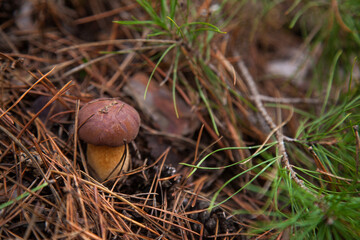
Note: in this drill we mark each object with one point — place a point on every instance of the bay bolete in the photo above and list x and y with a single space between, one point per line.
107 125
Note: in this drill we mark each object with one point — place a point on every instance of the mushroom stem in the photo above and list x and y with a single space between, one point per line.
107 162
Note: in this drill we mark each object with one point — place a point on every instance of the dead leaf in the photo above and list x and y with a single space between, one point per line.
159 106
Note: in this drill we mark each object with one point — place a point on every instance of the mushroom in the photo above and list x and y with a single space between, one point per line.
107 125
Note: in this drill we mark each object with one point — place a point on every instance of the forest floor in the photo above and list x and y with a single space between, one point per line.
248 119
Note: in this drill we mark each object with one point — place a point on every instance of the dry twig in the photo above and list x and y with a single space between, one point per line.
278 133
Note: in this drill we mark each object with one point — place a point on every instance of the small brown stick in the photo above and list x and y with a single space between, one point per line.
76 132
287 100
335 8
279 136
109 55
319 164
356 129
128 59
59 93
155 182
34 161
197 145
83 233
115 42
105 14
26 92
7 40
31 221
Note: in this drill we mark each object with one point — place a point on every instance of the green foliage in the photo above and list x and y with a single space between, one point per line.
259 150
332 26
167 19
310 219
333 209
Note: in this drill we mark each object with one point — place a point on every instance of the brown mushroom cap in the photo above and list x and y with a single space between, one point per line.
109 122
